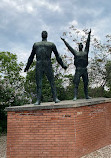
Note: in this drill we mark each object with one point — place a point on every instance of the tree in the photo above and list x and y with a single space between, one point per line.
12 92
11 78
108 73
98 72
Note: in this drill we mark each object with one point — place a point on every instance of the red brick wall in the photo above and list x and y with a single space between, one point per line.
64 133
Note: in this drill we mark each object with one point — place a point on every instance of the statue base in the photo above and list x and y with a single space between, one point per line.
69 129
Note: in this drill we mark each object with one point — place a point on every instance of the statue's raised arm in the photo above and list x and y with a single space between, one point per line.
69 47
88 42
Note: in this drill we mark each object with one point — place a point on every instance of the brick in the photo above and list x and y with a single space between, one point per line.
58 133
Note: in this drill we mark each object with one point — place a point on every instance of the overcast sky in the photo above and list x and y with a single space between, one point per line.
21 22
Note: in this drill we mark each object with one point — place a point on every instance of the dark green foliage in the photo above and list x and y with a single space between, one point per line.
108 73
99 92
69 88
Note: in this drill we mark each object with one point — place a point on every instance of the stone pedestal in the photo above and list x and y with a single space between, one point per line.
69 129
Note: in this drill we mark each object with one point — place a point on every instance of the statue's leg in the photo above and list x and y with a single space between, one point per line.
85 80
76 84
39 75
50 76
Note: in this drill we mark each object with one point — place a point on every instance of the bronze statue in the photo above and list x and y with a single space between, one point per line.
43 51
80 62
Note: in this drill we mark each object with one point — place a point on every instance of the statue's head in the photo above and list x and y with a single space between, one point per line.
80 46
44 34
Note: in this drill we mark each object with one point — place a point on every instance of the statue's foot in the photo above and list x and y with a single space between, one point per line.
75 98
88 97
37 103
57 100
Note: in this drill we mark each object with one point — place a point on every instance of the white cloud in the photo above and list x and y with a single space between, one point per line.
23 20
51 6
29 8
74 22
18 6
91 12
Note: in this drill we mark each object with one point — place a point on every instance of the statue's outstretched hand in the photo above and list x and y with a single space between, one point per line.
62 39
65 66
90 31
25 70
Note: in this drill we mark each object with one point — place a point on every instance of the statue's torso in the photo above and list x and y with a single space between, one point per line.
43 51
81 59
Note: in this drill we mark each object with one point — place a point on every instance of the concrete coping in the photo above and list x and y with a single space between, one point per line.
62 104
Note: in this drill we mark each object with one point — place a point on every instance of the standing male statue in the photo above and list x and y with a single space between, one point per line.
43 51
81 63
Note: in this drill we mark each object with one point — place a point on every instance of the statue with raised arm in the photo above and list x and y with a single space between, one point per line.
81 63
43 51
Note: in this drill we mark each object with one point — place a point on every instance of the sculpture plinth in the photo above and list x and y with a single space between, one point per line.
65 129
